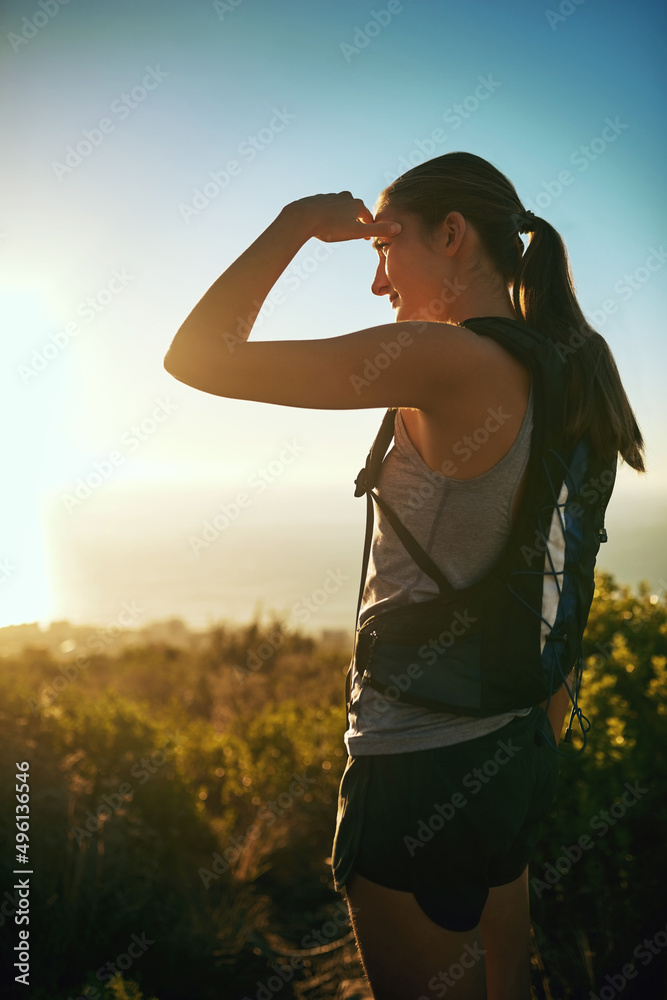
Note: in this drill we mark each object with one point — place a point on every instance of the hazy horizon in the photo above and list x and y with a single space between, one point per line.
278 552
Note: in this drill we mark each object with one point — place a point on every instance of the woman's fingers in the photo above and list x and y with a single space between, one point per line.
370 229
359 230
341 216
364 225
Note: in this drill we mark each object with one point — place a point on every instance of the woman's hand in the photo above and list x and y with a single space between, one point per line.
336 217
558 706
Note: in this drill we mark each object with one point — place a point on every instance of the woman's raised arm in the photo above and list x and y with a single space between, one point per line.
397 364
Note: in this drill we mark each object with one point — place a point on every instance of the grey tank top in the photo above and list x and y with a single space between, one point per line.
463 524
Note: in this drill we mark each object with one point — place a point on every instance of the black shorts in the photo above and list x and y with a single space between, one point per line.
447 824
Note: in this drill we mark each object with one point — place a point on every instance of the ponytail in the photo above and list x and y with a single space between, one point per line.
543 294
541 287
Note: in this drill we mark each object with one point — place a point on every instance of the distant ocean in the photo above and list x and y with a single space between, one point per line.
295 554
189 553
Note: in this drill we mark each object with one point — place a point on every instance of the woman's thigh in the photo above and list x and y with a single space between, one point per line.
505 927
435 866
407 955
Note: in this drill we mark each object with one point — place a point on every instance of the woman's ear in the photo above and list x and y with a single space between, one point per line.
451 232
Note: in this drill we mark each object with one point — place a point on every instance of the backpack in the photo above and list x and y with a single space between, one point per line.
510 640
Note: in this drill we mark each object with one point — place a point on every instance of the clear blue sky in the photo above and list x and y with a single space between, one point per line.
170 92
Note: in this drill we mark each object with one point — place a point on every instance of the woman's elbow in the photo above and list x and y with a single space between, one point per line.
180 367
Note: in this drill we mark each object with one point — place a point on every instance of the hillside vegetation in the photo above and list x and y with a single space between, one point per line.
183 804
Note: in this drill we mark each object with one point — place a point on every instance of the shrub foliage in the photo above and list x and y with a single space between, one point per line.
183 805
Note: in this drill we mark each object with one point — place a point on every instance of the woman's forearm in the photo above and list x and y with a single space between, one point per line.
222 317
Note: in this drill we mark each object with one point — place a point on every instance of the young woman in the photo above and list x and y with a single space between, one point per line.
439 908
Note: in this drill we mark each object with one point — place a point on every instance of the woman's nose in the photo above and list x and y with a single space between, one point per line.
380 284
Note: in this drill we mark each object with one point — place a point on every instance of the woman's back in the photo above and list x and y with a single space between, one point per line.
463 521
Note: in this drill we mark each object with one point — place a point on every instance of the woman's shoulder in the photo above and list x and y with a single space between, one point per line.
491 372
466 432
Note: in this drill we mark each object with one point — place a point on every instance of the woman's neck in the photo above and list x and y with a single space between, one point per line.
475 295
482 305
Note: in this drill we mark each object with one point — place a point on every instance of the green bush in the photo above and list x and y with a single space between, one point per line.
590 921
188 799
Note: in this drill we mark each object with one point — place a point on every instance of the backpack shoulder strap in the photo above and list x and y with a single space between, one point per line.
364 483
420 555
368 476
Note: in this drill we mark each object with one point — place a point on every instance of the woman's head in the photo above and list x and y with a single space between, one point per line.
433 276
465 183
537 279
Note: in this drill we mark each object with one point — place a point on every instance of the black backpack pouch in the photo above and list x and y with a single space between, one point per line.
426 653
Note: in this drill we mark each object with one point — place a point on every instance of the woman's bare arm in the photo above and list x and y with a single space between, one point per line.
240 291
419 364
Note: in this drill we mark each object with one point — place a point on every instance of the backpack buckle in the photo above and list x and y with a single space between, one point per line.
360 484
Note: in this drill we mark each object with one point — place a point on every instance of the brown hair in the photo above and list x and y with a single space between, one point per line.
541 287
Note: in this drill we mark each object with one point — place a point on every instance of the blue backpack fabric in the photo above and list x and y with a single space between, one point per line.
510 640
